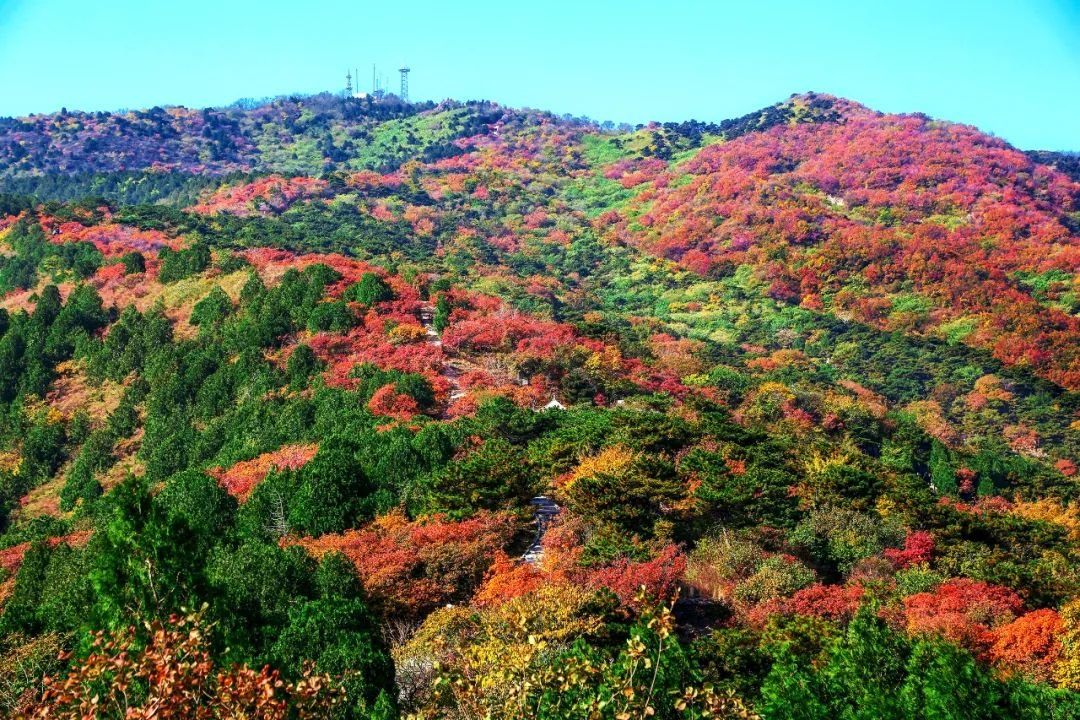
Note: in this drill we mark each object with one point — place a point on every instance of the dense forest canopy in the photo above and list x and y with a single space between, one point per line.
279 383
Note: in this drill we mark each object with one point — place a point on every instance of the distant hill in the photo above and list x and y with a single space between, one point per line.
309 134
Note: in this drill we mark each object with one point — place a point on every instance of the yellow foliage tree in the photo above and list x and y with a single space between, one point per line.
1067 670
609 461
1051 511
605 365
494 656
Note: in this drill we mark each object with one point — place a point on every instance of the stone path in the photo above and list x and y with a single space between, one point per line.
546 510
450 368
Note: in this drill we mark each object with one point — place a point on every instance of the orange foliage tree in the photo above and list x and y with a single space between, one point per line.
173 674
1030 644
410 568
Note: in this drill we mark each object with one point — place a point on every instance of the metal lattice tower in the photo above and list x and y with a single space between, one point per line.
404 84
348 83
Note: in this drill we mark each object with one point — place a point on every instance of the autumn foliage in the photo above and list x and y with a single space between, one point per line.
240 479
409 568
173 674
965 611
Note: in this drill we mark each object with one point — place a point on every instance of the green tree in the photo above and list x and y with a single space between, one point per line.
337 631
210 312
441 317
333 491
96 456
369 290
301 366
198 501
493 477
134 262
144 565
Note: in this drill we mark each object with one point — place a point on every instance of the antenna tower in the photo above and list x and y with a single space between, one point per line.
404 84
348 83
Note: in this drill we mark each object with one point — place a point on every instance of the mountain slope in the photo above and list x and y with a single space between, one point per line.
819 365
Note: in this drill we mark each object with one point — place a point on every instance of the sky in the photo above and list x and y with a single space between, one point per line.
1009 67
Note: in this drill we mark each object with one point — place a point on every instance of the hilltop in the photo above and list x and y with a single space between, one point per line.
820 365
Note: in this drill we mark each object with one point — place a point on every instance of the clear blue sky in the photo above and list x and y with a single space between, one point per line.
1011 67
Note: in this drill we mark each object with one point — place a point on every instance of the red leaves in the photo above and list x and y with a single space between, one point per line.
111 239
508 579
962 610
1066 467
241 478
388 402
833 602
181 679
626 578
954 214
918 547
11 558
272 193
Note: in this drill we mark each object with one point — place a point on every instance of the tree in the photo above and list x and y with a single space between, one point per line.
134 262
144 564
301 366
96 456
369 290
492 477
169 670
441 318
210 312
332 494
626 489
945 682
336 632
198 501
20 610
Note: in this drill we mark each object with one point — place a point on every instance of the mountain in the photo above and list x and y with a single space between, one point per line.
295 135
297 361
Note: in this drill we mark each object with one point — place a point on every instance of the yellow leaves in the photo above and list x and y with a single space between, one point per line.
677 355
1051 511
610 461
493 657
406 333
817 463
931 418
9 462
885 506
775 391
991 387
1067 670
606 364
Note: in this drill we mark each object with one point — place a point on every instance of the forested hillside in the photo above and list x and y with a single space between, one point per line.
276 398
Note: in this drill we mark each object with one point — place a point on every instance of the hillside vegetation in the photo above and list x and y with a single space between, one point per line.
274 389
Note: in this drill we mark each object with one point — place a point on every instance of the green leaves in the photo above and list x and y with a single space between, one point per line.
369 290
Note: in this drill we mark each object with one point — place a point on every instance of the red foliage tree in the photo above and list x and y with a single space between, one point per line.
659 576
918 548
508 579
388 402
962 610
240 479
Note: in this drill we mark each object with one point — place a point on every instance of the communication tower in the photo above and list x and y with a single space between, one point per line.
404 84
